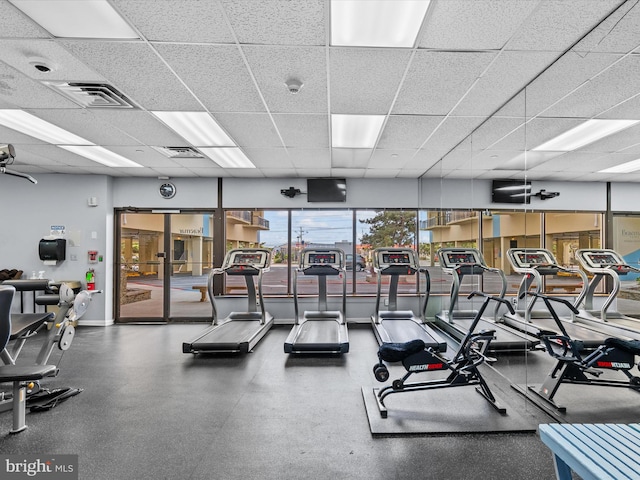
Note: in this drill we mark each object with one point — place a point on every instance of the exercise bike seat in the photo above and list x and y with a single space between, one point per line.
629 346
396 352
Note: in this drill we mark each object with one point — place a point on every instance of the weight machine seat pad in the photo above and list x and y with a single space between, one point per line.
396 352
22 323
22 373
629 346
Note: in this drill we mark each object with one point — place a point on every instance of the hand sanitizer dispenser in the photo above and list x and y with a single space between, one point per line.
52 250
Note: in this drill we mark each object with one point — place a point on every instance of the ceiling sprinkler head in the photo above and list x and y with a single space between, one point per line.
293 85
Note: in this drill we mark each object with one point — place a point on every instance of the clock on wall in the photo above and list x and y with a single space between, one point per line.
167 190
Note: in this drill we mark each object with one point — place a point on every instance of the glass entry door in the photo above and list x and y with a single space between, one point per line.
165 259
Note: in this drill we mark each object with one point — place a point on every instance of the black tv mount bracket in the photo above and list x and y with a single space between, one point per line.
290 192
544 195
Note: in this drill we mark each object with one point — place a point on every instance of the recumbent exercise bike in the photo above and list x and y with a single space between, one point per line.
463 366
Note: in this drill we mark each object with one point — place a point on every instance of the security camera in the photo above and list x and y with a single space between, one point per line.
7 152
293 85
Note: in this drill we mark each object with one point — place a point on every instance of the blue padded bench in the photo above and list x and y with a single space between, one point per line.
594 451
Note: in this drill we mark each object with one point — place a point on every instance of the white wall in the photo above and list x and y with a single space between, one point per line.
29 211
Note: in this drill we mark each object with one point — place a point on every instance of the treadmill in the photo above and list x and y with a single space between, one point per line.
322 330
604 263
459 262
535 263
239 332
399 326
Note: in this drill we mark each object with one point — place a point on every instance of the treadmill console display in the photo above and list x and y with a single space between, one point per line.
527 259
457 258
321 259
256 259
396 258
601 259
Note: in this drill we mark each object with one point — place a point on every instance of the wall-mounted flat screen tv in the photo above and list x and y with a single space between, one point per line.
326 190
510 191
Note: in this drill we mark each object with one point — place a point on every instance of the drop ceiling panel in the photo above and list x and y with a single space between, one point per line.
250 129
495 130
476 25
390 158
535 132
273 66
226 85
309 158
616 142
612 87
82 122
385 173
564 76
23 54
277 23
451 132
270 157
424 159
140 125
16 138
178 21
22 92
307 131
17 24
365 80
556 25
407 131
627 110
619 33
350 157
135 70
436 81
504 79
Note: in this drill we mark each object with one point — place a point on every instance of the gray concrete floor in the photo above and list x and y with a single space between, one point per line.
148 411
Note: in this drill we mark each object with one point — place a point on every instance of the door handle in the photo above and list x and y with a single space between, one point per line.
161 254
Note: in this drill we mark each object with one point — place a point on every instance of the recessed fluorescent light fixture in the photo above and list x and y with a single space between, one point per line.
36 127
77 19
198 128
627 167
100 155
228 157
584 134
376 23
355 131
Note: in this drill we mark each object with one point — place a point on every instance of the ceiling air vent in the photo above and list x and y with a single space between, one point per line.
92 95
179 152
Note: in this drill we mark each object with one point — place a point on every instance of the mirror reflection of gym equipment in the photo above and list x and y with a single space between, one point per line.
604 263
239 332
535 263
461 262
321 330
397 326
576 366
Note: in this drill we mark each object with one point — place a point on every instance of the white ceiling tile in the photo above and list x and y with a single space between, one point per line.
272 67
365 80
476 25
17 24
557 24
436 81
451 132
177 20
618 33
135 70
407 131
506 76
141 125
250 129
390 158
568 73
627 110
613 86
226 87
301 130
24 54
20 91
270 157
294 22
348 172
350 157
383 173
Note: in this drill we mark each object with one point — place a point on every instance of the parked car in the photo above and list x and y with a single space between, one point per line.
360 262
